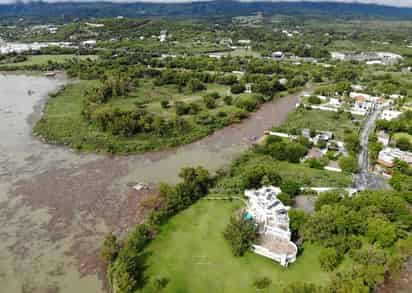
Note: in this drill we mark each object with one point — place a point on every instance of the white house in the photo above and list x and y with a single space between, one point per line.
163 36
244 42
277 55
89 43
272 219
390 114
388 155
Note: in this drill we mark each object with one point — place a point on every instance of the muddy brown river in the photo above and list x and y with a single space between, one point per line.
56 205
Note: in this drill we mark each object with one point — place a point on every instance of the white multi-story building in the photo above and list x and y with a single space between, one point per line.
271 216
388 155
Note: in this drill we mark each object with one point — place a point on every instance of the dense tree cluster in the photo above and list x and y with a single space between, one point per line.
369 228
283 150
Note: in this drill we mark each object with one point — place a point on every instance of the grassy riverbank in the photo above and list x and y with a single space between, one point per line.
63 122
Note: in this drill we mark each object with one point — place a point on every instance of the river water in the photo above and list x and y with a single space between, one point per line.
56 205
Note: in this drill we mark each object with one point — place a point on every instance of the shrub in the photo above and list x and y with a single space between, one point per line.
209 101
110 249
164 104
262 283
404 144
290 187
195 85
314 100
237 88
228 100
214 95
316 163
248 103
182 108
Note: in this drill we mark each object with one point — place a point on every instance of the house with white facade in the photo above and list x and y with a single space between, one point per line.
89 43
271 216
389 115
163 36
244 42
388 155
278 55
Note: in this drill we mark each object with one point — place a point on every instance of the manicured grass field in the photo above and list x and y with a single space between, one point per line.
320 120
191 252
43 59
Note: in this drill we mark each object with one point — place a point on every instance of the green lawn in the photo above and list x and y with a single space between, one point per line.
43 59
398 135
191 252
320 120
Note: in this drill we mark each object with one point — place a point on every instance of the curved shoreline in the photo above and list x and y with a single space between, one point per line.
59 204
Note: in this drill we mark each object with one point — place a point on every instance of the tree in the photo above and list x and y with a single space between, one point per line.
369 255
349 164
241 233
248 103
294 152
329 259
297 220
328 198
253 174
352 142
381 231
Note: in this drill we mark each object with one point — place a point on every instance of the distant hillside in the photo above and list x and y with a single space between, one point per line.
62 12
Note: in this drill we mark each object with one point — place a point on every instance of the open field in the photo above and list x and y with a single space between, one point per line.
320 120
191 252
300 173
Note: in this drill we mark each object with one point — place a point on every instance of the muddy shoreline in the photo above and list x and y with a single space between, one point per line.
57 205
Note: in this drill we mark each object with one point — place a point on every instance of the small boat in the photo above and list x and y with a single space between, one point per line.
30 92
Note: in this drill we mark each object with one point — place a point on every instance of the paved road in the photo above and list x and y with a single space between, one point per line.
366 179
